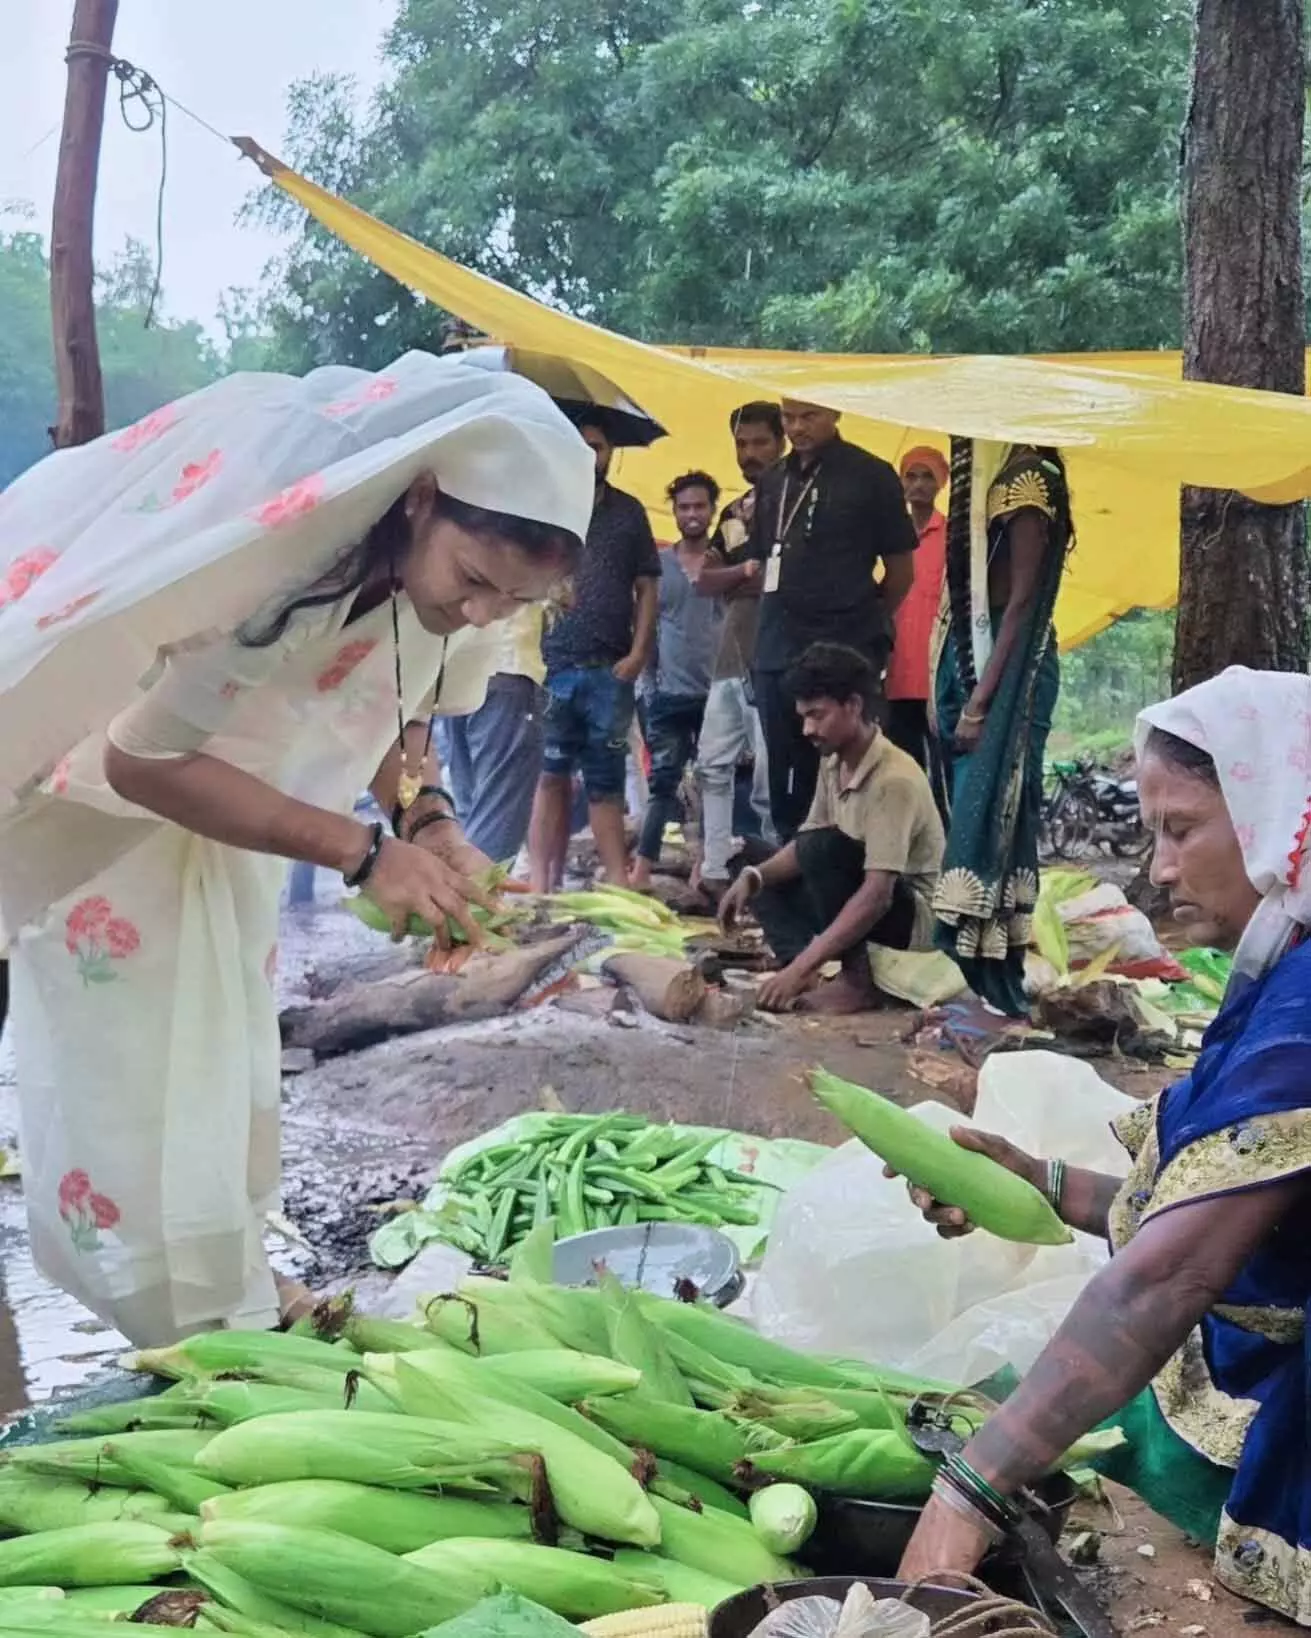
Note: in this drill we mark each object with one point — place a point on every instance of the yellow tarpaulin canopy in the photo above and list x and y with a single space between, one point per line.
1132 435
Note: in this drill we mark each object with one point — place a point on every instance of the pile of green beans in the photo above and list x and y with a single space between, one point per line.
590 1172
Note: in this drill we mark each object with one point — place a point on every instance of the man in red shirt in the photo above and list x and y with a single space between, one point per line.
909 685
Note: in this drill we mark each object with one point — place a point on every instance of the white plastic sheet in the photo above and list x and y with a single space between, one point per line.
853 1269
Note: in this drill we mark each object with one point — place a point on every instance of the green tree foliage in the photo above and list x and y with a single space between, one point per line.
1107 682
142 368
868 175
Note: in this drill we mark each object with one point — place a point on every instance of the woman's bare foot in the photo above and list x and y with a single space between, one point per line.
295 1300
639 875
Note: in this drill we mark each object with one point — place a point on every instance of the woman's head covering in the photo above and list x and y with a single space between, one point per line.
1256 727
187 522
926 455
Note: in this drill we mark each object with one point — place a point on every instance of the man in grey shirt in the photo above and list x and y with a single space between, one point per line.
688 636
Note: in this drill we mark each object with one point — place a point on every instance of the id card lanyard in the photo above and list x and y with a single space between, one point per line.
786 518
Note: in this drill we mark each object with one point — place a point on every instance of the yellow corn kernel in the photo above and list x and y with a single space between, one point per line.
668 1621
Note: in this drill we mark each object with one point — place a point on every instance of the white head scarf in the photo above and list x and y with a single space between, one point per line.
187 522
1256 727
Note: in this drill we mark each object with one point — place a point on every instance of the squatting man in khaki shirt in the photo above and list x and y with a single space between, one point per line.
863 867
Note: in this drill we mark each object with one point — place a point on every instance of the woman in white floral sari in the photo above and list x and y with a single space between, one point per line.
234 616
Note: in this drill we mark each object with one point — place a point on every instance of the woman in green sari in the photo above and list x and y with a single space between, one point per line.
1008 534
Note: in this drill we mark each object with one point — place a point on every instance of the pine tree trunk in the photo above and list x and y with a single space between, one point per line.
1243 576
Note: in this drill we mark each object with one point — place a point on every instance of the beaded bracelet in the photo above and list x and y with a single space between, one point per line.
436 791
365 868
427 819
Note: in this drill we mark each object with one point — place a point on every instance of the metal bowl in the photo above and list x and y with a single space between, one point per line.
654 1257
737 1617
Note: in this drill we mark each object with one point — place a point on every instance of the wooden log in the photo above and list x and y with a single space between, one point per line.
360 1015
667 988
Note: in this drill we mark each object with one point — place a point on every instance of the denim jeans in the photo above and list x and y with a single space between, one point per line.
490 763
673 722
729 732
588 715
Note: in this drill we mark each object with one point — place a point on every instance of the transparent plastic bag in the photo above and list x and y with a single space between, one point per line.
853 1269
861 1615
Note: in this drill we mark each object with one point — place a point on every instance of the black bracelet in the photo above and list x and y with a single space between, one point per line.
398 812
363 870
426 819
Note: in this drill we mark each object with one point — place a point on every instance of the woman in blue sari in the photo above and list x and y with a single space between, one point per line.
1193 1337
1008 534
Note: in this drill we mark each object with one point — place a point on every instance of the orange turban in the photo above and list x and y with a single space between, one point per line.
926 455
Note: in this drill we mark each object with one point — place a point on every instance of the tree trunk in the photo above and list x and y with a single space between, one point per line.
1243 575
72 270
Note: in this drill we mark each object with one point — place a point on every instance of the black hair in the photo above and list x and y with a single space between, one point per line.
694 480
831 671
759 412
1182 755
378 557
594 418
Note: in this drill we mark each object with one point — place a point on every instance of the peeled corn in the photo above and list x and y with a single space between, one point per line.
343 1580
399 1521
669 1621
572 1584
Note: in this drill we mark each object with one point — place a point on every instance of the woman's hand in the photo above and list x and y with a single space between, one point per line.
969 730
950 1221
447 842
409 880
944 1540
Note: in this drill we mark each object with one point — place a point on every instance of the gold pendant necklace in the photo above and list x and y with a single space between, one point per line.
409 784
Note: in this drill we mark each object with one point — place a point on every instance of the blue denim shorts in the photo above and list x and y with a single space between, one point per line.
588 715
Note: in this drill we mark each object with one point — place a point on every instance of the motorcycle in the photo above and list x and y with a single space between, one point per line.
1087 810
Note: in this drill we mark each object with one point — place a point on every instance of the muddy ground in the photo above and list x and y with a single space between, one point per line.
367 1129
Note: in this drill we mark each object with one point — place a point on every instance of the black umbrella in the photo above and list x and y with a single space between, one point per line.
581 392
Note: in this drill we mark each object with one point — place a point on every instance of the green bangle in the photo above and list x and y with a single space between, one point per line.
1055 1182
962 1470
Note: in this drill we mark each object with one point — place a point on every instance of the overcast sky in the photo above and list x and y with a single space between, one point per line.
231 62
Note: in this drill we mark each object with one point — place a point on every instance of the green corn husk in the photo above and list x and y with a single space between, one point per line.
214 1617
337 1578
532 1262
566 1377
348 1392
784 1516
707 1491
635 1341
477 1327
573 1317
18 1595
592 1492
152 1410
398 1521
733 1342
385 1336
705 1441
182 1488
718 1544
680 1582
86 1459
209 1353
30 1502
993 1197
229 1402
802 1419
233 1591
479 1378
571 1584
89 1555
403 1452
870 1464
115 1600
41 1620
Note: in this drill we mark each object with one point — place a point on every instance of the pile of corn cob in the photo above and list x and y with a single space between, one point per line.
590 1172
588 1450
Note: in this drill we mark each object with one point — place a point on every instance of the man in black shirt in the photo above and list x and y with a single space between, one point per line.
594 652
824 519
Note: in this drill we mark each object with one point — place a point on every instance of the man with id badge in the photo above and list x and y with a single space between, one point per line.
824 519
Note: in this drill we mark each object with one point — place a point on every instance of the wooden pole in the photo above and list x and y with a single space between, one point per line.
72 270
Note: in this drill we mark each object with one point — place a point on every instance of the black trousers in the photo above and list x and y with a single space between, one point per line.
832 869
906 723
793 760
